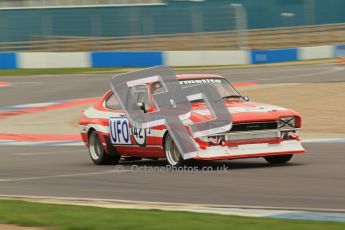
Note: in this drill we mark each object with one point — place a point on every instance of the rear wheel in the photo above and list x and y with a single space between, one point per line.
97 153
172 153
279 159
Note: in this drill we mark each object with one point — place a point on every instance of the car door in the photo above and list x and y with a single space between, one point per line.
142 137
128 139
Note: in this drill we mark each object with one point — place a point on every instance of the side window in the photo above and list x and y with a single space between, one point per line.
112 103
140 93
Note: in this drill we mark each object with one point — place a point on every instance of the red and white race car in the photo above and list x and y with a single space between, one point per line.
258 130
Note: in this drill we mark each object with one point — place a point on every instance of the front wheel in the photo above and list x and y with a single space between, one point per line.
279 159
97 153
172 153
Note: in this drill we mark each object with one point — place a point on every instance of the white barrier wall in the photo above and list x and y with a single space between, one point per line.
169 58
54 60
206 58
315 52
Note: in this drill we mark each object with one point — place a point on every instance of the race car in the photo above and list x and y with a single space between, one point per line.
258 130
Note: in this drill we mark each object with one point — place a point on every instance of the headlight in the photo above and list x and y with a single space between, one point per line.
287 122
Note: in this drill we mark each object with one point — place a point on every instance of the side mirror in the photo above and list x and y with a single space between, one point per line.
246 98
142 106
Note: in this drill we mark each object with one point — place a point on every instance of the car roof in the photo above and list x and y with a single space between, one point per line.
190 76
197 76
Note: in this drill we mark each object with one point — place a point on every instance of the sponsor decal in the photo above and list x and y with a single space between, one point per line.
119 131
199 81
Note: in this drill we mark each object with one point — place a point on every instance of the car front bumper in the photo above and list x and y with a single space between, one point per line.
250 150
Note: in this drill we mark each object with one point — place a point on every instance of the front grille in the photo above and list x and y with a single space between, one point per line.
254 126
269 134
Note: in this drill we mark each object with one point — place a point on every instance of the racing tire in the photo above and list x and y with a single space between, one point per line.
97 153
279 159
172 153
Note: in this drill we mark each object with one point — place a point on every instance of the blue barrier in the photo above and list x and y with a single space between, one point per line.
8 61
339 50
154 58
126 59
272 56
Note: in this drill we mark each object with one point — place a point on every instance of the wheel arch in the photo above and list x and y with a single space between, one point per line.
93 128
89 131
164 137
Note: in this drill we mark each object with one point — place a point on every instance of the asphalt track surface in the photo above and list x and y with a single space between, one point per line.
314 180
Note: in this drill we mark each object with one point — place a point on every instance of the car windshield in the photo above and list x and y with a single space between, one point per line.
224 88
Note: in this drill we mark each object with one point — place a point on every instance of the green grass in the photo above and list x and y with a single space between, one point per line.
55 71
58 71
67 217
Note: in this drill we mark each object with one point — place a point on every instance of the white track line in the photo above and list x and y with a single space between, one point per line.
56 176
326 140
275 70
332 70
239 210
40 143
46 153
